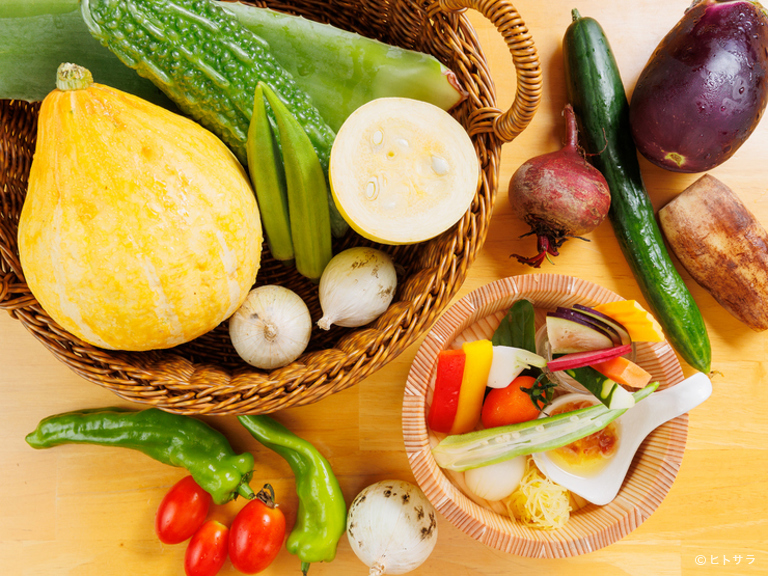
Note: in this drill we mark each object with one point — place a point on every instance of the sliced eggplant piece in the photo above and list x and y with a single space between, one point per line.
573 334
617 326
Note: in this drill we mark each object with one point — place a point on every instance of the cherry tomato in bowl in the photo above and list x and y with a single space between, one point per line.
510 405
182 511
257 533
207 550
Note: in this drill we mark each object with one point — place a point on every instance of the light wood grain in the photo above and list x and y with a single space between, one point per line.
88 511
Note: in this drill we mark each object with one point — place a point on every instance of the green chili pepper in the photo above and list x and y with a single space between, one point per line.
168 438
322 515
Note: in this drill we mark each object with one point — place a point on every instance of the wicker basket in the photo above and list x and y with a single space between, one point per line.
206 376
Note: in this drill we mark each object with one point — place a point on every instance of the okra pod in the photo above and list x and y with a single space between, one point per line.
268 178
307 193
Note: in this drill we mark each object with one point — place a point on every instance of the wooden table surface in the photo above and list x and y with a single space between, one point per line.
89 510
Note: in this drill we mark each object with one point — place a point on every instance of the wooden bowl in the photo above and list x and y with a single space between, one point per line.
590 528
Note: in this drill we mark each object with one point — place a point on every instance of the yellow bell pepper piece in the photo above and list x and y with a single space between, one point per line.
638 322
479 355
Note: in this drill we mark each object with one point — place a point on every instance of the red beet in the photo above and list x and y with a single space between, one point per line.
559 195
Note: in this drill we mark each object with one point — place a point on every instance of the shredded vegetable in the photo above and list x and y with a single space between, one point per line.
538 502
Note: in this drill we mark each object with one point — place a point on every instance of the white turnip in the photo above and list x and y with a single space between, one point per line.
559 195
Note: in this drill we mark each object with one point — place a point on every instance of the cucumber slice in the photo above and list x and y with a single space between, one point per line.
605 389
466 451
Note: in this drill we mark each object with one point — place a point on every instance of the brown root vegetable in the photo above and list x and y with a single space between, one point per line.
723 247
559 195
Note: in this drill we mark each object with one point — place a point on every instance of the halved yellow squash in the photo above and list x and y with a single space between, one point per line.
402 171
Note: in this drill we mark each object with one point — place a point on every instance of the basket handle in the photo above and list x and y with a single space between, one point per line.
507 125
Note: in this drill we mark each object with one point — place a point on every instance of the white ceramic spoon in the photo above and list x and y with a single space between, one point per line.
635 424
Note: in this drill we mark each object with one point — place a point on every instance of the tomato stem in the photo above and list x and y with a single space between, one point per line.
267 495
540 391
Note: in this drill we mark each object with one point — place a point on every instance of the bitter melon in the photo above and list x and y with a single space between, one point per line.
209 64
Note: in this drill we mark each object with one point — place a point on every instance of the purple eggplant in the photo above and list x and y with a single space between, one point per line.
705 87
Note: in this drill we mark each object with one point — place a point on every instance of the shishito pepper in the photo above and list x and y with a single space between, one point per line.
479 355
445 400
322 515
168 438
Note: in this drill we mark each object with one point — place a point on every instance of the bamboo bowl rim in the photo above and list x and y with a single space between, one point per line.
650 476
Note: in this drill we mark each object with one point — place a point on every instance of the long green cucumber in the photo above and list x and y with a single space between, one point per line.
596 92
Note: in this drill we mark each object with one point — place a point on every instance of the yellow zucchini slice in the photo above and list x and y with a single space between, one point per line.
402 171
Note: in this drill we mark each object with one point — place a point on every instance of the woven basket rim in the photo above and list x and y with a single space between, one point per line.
172 381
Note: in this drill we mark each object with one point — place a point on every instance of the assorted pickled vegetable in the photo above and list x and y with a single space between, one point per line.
527 416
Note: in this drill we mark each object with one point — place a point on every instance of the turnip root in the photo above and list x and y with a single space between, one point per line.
559 195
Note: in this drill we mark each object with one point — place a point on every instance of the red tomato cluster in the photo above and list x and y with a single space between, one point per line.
252 541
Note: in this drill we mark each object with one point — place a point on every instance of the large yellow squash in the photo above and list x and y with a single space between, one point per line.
140 229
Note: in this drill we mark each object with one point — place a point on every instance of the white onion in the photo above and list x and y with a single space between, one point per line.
392 527
271 328
356 287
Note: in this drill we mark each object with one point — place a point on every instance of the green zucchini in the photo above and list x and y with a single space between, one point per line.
483 447
342 70
596 92
36 37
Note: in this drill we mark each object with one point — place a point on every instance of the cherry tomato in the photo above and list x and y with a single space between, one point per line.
207 550
257 533
510 405
182 511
